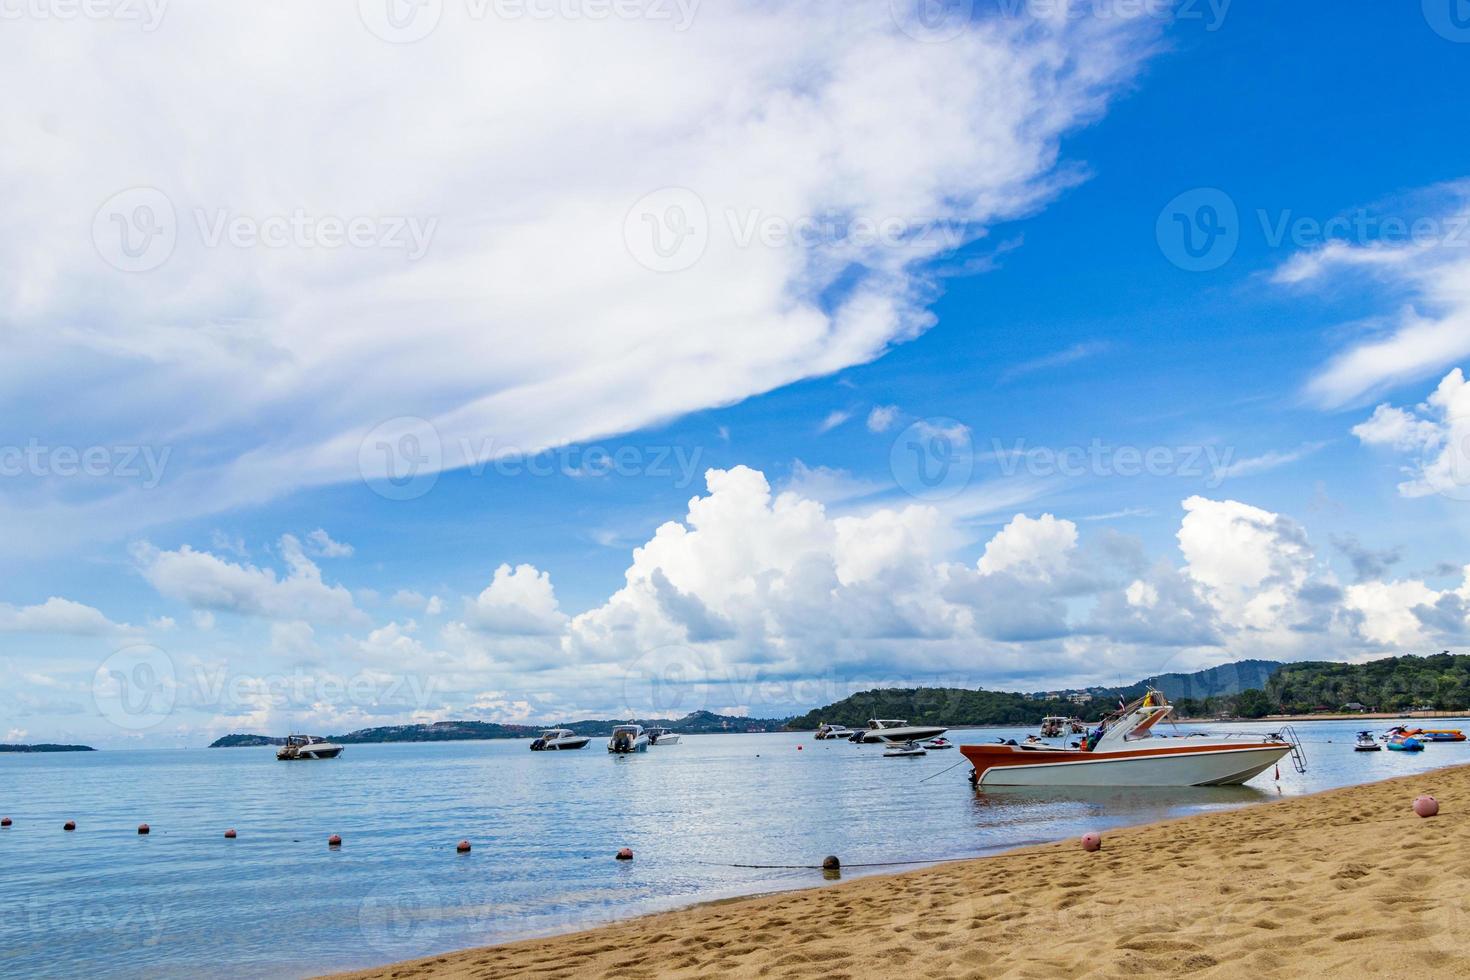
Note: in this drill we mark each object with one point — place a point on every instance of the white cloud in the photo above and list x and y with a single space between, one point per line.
207 582
534 324
1430 331
57 615
1249 563
1435 435
1038 548
882 417
1268 461
320 544
518 601
833 420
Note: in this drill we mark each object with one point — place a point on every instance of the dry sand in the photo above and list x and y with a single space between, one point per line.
1348 883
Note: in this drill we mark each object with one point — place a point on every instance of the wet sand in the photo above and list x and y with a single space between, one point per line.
1347 883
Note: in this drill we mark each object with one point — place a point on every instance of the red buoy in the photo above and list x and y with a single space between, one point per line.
4 821
230 834
69 825
334 841
142 828
463 847
1426 806
799 748
626 854
1092 842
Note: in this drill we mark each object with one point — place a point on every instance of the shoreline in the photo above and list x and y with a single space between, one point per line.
1347 881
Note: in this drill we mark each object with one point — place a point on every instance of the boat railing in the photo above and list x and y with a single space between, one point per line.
1288 735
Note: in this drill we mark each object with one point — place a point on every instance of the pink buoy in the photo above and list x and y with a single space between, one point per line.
69 825
463 847
143 828
1092 842
334 841
626 854
1426 806
230 834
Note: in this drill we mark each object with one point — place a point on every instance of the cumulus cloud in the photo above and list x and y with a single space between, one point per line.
208 583
882 417
1249 563
518 601
57 615
1434 435
537 319
1032 548
321 545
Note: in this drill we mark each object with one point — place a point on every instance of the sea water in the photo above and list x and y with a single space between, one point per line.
544 826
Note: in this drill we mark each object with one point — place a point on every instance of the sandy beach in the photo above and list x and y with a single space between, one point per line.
1347 883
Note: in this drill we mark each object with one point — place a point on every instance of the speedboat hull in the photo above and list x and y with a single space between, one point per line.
1176 765
560 745
913 733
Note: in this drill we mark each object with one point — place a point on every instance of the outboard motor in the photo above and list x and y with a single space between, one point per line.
538 745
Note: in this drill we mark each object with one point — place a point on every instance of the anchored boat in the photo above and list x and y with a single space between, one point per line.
1124 751
1366 743
627 739
559 740
300 747
897 730
662 736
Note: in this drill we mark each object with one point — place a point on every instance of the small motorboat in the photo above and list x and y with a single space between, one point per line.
1124 751
627 739
1055 726
662 736
1078 728
825 732
903 750
1405 743
1366 743
559 740
897 730
301 747
938 743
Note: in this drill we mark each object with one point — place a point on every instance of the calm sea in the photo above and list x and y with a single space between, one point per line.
184 901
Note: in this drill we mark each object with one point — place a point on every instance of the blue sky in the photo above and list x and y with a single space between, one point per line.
1050 305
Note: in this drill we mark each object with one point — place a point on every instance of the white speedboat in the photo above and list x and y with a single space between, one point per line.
299 747
628 738
903 750
833 731
1124 751
559 740
1055 726
662 736
898 730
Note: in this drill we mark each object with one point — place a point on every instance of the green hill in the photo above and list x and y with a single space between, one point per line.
1441 682
698 722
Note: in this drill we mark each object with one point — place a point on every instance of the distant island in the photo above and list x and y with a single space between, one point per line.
46 747
1244 689
695 723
